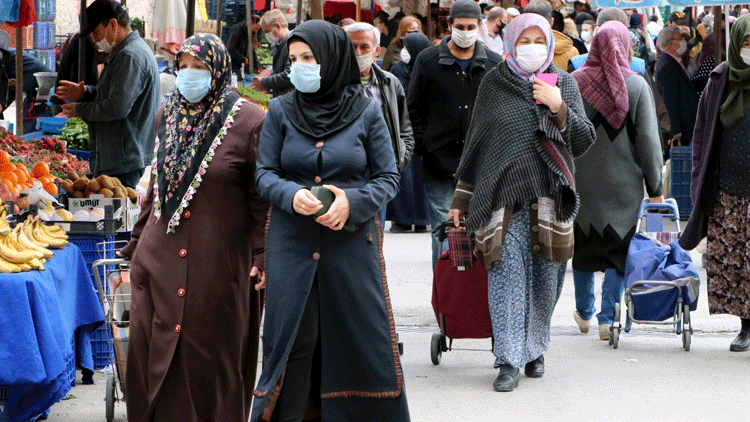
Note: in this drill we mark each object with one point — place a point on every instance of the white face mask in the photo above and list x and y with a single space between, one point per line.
683 47
104 45
464 39
586 36
405 56
270 38
364 61
531 57
745 54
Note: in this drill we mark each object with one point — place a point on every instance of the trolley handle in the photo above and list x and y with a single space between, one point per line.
445 226
668 205
101 263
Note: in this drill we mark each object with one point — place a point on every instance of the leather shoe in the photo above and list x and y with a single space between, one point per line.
535 368
741 343
507 379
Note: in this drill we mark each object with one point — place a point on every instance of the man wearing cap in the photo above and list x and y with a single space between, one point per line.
121 108
441 94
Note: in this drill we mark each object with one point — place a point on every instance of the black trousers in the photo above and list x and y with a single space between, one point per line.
299 399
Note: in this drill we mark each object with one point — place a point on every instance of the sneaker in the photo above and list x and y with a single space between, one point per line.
420 229
583 324
400 228
604 331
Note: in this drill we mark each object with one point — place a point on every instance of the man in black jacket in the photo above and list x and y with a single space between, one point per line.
237 44
276 28
674 85
385 88
442 90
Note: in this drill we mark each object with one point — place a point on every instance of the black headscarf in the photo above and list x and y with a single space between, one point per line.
415 42
340 99
190 132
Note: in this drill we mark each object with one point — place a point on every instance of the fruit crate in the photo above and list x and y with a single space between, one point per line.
682 167
81 155
101 347
70 363
52 125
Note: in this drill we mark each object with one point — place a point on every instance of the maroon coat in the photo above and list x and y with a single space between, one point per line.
195 316
704 184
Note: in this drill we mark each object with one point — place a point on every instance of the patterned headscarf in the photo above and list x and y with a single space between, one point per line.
738 98
602 78
190 132
513 32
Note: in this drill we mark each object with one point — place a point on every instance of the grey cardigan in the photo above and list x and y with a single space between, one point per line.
121 108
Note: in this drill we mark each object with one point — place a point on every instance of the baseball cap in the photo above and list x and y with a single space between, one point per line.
512 11
98 12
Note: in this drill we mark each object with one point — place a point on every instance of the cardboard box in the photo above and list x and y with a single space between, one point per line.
129 214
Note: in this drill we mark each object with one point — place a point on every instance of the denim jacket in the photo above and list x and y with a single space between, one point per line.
120 110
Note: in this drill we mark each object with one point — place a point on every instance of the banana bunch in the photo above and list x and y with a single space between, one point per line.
25 247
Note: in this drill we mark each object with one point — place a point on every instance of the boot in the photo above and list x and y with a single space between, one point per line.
742 342
507 379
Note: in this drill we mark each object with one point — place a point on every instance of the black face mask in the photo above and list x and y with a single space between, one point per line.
500 28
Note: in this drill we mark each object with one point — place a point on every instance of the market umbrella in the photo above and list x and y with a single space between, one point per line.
21 13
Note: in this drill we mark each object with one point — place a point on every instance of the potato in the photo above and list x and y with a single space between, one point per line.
132 195
23 203
77 194
93 186
117 182
119 192
67 185
106 192
73 176
105 182
81 184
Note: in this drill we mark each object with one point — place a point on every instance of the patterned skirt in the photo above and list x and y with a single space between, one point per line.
728 257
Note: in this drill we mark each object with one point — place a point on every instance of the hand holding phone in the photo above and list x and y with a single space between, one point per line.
549 78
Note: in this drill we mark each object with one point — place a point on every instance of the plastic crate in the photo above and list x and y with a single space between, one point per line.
41 34
52 125
682 167
81 155
32 136
51 35
71 364
92 249
101 347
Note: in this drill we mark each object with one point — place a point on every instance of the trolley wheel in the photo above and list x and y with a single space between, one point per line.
400 347
109 399
436 351
614 337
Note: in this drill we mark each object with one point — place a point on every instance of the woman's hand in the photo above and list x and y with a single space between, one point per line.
656 199
306 203
548 95
338 214
456 215
261 276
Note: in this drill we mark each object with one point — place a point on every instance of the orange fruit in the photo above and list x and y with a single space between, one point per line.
6 167
51 188
7 183
15 190
21 166
40 169
4 157
9 176
45 179
21 175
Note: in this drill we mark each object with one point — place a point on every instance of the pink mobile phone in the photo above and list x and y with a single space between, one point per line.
550 78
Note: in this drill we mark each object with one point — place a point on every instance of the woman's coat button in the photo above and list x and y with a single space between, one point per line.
177 328
183 253
186 214
316 256
318 179
181 292
319 145
535 248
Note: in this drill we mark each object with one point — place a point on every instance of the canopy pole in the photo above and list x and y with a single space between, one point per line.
727 40
82 44
358 15
219 16
190 27
19 81
718 12
250 8
299 12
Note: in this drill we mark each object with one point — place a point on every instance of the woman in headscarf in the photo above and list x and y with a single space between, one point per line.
641 46
706 62
516 188
407 25
720 186
195 251
329 342
610 176
409 207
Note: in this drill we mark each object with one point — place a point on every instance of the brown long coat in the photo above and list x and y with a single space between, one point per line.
195 316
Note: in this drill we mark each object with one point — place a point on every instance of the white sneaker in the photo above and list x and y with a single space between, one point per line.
583 324
604 331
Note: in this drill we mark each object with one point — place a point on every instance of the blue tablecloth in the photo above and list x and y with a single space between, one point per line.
44 316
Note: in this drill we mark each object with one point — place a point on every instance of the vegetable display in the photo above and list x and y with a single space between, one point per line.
76 134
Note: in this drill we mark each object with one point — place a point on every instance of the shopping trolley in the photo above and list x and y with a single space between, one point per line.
662 282
114 293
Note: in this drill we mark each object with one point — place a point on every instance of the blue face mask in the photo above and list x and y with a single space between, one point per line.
305 77
193 84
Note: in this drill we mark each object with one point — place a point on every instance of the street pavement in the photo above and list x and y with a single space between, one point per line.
648 378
